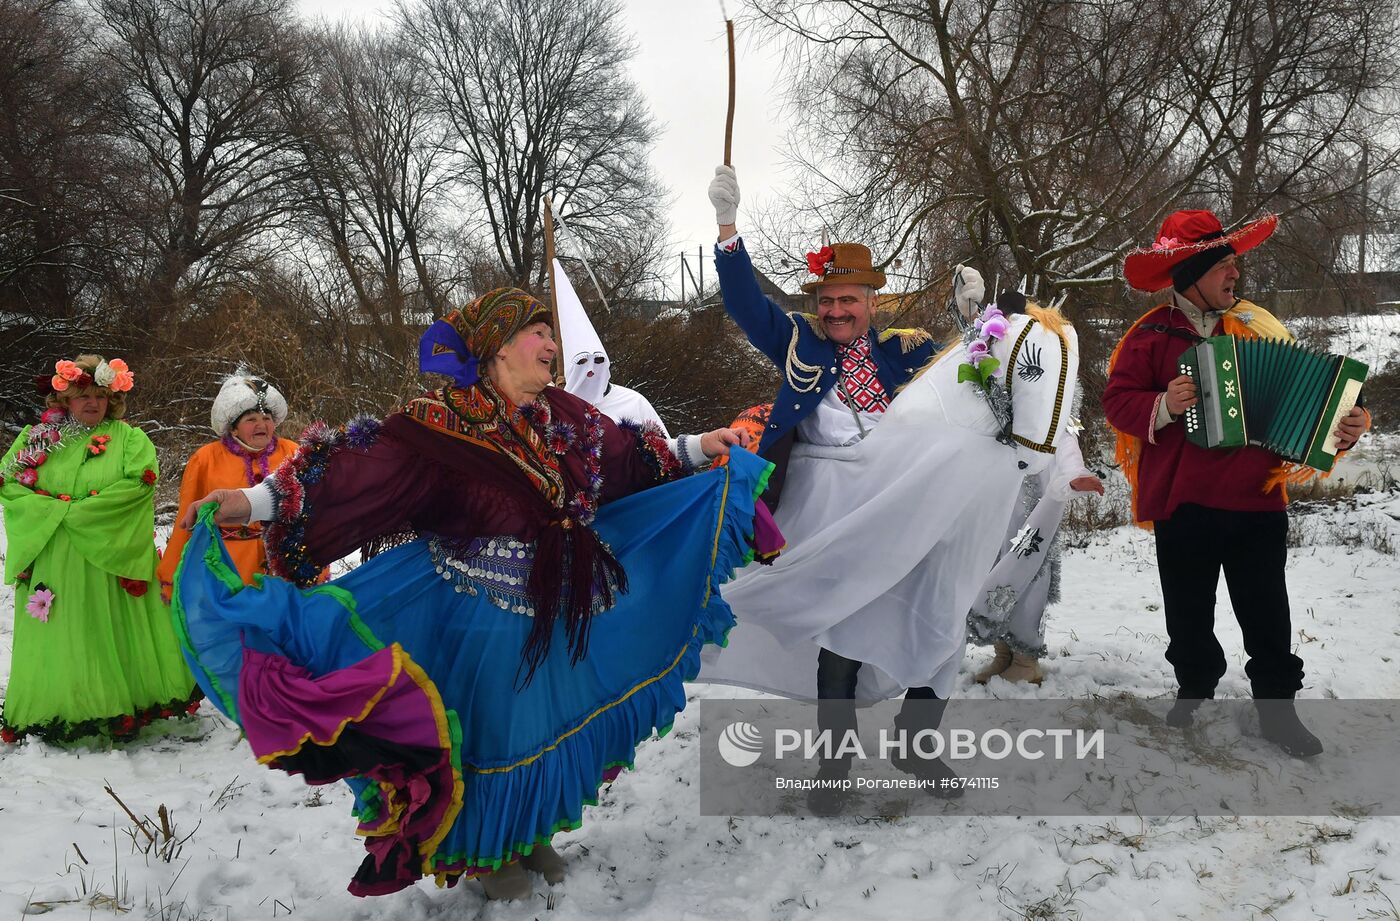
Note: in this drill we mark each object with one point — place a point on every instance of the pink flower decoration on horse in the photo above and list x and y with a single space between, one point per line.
996 327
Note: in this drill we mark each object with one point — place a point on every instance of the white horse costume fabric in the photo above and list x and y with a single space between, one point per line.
889 540
587 369
1011 605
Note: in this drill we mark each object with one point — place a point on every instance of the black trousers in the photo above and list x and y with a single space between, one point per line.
836 692
1193 547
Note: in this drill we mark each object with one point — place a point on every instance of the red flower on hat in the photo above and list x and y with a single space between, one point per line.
818 261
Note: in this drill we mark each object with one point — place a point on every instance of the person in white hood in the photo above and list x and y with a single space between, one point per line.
587 370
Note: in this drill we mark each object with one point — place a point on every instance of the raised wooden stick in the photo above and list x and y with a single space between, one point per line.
729 116
553 292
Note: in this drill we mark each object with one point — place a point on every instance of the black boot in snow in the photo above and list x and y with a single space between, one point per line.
1188 701
831 797
1279 723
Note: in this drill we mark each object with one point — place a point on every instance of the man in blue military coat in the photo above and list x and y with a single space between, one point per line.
839 376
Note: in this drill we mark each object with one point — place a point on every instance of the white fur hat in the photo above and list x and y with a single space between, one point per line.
240 393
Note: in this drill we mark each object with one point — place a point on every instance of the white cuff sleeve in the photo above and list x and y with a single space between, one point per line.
731 244
260 499
1068 466
687 451
1163 419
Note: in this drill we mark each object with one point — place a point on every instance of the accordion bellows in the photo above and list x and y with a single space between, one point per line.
1271 393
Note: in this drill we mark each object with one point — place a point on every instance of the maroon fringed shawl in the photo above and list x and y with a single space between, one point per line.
463 464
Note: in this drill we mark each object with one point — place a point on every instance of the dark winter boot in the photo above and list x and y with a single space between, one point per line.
922 710
1188 701
941 781
829 797
1279 723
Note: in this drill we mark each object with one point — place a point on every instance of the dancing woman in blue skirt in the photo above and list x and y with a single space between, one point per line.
551 581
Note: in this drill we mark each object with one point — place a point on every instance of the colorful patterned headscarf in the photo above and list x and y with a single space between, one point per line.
454 344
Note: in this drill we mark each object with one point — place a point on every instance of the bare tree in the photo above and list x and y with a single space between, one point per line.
539 103
197 92
1045 137
56 233
374 184
53 155
1313 123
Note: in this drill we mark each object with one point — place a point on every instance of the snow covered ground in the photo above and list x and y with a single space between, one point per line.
1372 338
258 844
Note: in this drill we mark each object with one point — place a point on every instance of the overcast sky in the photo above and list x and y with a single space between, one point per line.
681 67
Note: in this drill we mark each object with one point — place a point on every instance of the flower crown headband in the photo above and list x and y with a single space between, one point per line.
114 375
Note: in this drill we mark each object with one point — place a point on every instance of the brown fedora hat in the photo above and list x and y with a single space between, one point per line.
842 264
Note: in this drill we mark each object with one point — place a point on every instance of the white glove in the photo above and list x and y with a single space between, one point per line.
968 289
724 195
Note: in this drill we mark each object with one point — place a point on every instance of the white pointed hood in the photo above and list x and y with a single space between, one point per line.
587 369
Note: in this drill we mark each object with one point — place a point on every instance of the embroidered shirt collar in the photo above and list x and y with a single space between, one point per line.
1202 321
859 347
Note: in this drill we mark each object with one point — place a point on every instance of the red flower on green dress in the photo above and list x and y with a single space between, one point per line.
8 735
98 445
133 587
148 476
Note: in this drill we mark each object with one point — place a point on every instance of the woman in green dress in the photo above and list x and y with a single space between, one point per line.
94 649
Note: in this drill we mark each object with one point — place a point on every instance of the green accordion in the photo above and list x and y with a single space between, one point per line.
1270 393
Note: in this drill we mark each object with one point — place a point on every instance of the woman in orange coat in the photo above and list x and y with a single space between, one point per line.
245 416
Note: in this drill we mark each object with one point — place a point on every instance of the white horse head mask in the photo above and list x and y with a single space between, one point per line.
1036 373
1040 369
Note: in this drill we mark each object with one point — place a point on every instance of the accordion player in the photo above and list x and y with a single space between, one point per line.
1272 393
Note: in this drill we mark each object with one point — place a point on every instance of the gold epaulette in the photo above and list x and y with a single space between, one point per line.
909 339
813 322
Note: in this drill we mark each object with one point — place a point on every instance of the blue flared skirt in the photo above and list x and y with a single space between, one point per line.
312 675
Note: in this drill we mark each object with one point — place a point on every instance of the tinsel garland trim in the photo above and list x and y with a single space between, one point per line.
287 554
655 453
118 728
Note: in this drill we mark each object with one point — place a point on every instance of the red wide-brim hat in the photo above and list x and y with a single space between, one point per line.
1183 234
